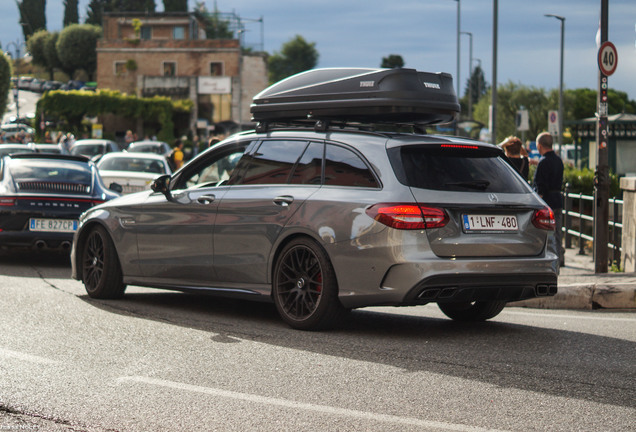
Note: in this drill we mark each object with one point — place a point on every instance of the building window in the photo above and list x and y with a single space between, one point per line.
120 68
178 33
216 69
169 68
146 33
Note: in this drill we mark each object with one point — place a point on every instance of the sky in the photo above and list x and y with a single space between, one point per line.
359 33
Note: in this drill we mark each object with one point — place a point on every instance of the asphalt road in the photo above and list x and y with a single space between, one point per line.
162 361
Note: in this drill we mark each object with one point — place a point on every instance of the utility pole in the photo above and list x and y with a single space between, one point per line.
493 99
470 75
601 185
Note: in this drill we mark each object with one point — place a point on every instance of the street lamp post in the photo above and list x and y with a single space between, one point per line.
562 19
16 89
470 74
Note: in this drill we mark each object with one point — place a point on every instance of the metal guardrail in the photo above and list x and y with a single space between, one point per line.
584 215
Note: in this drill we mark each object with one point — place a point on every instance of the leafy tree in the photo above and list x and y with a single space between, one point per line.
50 52
296 55
392 61
76 48
478 84
94 11
510 98
71 15
215 26
32 16
36 44
175 5
133 5
5 82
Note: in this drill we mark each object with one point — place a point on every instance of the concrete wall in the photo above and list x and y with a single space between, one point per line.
628 185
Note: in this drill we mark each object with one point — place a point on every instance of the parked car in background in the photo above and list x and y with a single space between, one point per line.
134 172
72 85
51 85
24 83
6 149
42 197
47 148
36 85
149 146
93 148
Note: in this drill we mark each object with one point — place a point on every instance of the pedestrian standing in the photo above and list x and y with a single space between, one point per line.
548 179
177 154
515 153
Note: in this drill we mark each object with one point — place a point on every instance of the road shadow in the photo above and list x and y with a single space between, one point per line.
556 362
19 263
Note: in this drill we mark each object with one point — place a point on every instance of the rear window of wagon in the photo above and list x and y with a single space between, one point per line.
455 169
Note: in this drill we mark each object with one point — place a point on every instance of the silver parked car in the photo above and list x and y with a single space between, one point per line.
324 220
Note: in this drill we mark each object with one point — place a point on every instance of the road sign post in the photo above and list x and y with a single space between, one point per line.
607 62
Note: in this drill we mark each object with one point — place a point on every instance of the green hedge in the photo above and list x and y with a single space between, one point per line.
74 105
582 181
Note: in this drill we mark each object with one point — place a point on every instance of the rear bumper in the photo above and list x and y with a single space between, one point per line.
483 287
36 240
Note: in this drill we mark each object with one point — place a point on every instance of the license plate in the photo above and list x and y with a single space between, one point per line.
490 223
53 225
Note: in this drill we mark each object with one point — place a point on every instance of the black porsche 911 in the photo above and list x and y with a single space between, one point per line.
42 197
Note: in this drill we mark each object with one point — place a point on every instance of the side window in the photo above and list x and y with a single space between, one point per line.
345 168
272 163
309 168
212 171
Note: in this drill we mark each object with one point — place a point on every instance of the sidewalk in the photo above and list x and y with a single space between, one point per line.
581 288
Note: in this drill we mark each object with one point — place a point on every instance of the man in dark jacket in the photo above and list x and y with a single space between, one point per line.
548 179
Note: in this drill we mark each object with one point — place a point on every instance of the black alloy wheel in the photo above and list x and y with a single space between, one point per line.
305 288
472 311
101 271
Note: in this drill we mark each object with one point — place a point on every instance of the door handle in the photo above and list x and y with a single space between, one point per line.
206 199
284 200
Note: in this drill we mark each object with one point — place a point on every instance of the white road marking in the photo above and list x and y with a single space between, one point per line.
26 357
323 409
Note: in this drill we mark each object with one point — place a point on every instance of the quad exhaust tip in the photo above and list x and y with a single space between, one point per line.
546 290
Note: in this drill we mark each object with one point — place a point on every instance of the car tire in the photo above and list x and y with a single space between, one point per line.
101 270
472 311
304 287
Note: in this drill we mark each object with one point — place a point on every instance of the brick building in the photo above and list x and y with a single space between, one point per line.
168 54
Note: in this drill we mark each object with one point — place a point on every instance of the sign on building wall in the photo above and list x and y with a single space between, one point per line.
215 85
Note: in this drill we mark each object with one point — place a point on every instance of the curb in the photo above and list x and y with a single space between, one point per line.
619 295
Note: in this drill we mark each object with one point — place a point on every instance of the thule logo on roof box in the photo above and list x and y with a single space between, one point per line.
432 86
367 83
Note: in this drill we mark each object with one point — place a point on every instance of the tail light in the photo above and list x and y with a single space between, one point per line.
544 219
408 216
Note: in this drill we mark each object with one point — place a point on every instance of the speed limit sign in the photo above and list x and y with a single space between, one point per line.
607 58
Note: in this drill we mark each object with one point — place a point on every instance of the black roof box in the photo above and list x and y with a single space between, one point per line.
403 96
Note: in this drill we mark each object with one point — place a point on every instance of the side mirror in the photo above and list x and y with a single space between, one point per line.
162 184
116 187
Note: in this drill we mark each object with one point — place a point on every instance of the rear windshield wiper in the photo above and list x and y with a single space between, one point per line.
475 184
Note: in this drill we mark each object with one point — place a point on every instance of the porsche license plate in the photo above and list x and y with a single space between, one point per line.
53 225
490 223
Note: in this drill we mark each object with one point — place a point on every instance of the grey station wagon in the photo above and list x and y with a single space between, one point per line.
323 219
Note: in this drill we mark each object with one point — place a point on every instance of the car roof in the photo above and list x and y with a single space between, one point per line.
146 142
48 156
132 155
92 141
